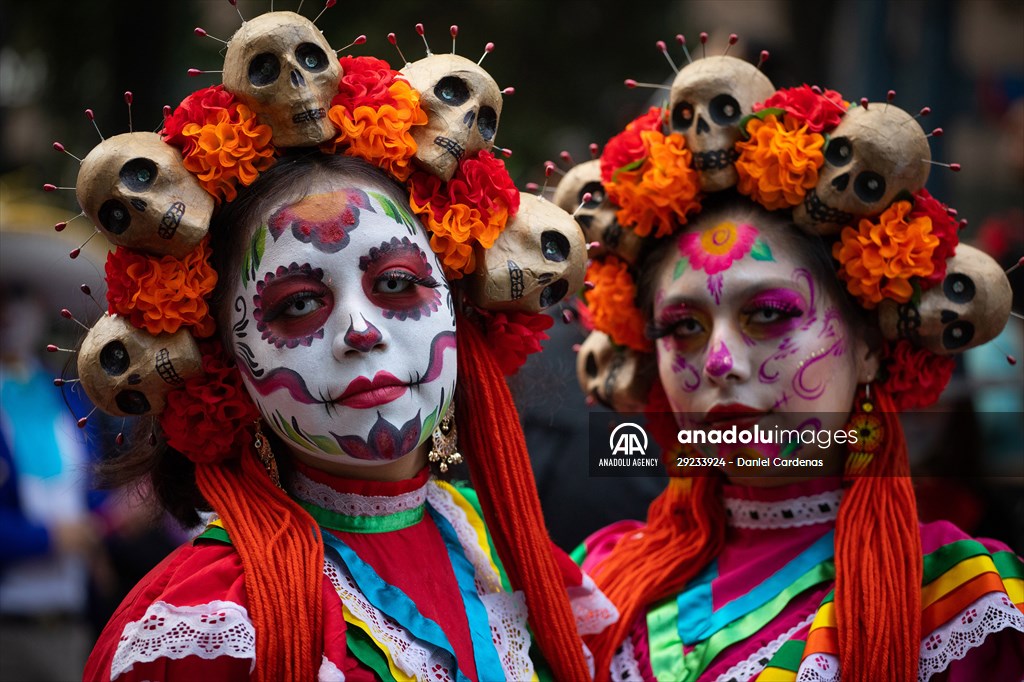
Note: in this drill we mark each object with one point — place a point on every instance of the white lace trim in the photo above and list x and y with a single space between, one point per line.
329 672
749 668
351 504
819 668
219 628
794 513
593 611
624 667
951 642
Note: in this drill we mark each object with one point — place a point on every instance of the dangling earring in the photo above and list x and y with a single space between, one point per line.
266 454
444 448
867 428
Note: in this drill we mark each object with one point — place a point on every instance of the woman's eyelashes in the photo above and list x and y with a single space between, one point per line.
397 278
399 281
765 314
774 310
677 322
292 305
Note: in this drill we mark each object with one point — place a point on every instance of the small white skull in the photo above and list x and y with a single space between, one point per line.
615 376
128 372
281 66
539 258
463 105
597 216
873 155
708 99
969 308
137 192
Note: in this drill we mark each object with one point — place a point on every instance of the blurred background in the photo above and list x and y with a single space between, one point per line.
567 61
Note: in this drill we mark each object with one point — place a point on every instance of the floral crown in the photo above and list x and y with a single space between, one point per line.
431 126
852 173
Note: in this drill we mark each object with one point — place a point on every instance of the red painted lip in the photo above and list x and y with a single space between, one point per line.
363 393
733 413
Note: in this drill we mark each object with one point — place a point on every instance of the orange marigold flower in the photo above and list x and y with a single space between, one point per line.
162 294
780 161
456 257
231 149
660 194
878 259
612 306
381 135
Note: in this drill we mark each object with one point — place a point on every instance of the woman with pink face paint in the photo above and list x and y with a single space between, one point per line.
760 557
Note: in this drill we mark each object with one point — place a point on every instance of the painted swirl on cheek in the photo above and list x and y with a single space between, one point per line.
837 348
691 382
323 220
397 278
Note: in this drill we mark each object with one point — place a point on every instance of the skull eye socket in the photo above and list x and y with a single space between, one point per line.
957 335
554 246
138 174
114 358
724 109
453 91
310 57
590 366
839 152
132 402
487 122
958 288
264 69
554 293
596 190
682 116
114 216
869 186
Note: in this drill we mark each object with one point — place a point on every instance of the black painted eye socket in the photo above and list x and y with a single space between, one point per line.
554 246
114 358
869 186
114 216
311 57
959 288
487 122
596 190
132 402
453 91
138 174
839 151
682 116
724 110
957 335
554 293
264 69
590 366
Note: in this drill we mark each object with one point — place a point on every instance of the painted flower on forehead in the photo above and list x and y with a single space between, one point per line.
323 220
717 248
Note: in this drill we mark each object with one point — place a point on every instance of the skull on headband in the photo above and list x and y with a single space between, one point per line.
136 190
970 306
128 372
708 99
873 155
539 258
463 105
280 66
597 216
615 376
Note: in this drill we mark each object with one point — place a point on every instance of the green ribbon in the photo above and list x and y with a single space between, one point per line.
367 653
363 524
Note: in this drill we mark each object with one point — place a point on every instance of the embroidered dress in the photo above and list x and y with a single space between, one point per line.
413 589
763 610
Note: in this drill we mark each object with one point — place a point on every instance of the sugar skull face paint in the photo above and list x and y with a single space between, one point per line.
342 334
765 339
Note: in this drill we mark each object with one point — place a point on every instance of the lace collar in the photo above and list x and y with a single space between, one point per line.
790 506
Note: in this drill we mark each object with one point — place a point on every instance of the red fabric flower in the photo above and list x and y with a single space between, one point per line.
915 377
365 83
513 336
944 227
628 147
208 418
201 107
818 112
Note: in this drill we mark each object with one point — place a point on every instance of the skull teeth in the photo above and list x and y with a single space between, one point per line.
309 115
450 146
515 278
172 218
821 213
715 160
166 370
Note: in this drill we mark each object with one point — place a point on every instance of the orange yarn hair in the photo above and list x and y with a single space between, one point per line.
282 556
878 563
492 439
878 560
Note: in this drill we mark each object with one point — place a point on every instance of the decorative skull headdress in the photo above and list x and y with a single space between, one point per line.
430 125
852 173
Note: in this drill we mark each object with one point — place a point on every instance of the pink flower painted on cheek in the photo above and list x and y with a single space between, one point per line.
717 248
